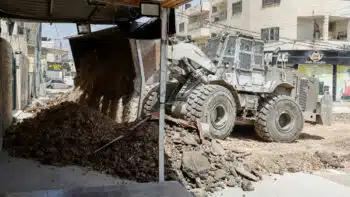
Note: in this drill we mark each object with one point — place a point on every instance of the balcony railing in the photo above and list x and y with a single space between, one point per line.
219 16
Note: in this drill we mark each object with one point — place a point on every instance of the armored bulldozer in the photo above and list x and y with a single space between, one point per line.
228 83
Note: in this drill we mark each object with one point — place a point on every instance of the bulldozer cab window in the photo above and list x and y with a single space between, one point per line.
230 47
212 48
230 50
258 54
245 53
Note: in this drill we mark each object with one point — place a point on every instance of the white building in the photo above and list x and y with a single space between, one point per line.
313 34
315 23
15 33
194 21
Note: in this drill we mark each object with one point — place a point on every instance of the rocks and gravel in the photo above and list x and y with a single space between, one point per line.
69 134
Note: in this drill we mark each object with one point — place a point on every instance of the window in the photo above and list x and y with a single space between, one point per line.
266 3
212 48
236 8
245 55
182 27
230 51
214 9
20 28
270 34
258 54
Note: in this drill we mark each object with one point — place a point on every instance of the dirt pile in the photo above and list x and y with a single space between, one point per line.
69 134
71 96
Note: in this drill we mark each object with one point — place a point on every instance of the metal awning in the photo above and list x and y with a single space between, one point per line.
68 11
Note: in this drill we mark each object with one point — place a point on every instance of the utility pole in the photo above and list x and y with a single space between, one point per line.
37 77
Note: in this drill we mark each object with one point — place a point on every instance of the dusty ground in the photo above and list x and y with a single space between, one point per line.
235 162
298 156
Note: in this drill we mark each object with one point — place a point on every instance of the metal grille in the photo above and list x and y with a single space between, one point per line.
303 89
245 60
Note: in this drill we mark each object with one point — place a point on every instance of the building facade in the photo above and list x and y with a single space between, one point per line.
313 35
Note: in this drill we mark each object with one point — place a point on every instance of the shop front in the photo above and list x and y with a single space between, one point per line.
332 68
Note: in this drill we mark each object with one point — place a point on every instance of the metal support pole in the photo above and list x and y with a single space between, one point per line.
163 72
143 81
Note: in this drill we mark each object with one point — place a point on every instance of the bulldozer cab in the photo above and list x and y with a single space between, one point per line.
231 50
239 59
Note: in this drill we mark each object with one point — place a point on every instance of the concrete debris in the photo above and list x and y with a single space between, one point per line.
195 164
220 174
247 185
246 174
330 159
198 192
217 149
66 133
189 140
231 182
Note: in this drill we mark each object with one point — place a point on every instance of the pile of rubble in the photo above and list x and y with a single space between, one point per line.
204 166
38 105
71 134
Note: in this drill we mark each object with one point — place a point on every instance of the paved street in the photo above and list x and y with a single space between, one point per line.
321 184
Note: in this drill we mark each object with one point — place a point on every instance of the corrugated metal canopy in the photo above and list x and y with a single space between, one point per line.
68 11
92 11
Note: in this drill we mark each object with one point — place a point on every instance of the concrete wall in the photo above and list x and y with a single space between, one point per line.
290 16
305 29
22 91
5 87
18 42
181 18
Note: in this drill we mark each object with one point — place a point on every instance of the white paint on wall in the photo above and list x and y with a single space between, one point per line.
295 18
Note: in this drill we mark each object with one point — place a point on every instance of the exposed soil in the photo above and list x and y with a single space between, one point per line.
303 155
68 134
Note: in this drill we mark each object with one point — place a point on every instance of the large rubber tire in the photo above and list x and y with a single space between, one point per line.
280 119
151 100
215 106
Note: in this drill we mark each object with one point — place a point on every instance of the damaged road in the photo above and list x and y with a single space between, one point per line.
70 134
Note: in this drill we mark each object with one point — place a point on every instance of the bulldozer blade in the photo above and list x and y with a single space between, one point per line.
326 109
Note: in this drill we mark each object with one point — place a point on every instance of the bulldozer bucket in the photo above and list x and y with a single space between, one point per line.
326 104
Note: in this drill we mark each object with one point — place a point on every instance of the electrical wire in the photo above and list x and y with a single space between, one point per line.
293 41
289 40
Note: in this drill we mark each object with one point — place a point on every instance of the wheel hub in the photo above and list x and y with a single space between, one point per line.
285 121
218 116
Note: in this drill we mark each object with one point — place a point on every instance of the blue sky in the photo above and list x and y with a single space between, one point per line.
61 30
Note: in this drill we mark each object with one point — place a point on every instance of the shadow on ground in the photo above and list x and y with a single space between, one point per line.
306 136
244 132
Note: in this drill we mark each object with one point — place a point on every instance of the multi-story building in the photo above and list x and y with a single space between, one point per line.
194 21
16 34
313 35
